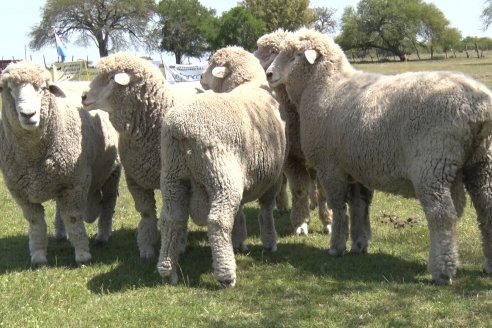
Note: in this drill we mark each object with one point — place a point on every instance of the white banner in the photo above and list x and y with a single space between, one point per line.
184 73
67 71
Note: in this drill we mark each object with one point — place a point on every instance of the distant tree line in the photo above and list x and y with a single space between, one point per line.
374 28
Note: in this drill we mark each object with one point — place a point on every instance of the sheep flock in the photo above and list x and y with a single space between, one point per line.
294 110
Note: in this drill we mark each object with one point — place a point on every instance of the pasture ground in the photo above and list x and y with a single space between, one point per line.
299 286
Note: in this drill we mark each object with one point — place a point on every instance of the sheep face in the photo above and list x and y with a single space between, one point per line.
265 55
286 64
27 99
102 88
213 77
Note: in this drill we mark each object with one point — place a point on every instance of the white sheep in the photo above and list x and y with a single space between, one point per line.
52 150
220 151
421 134
301 182
136 96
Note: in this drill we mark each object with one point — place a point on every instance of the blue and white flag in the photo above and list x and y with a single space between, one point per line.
60 47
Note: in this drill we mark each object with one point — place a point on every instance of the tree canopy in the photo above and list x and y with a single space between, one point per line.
110 24
289 15
185 28
396 26
238 26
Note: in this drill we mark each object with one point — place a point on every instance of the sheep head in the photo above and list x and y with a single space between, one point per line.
24 85
303 52
269 47
122 78
230 67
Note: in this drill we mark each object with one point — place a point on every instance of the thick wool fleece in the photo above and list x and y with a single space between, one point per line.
296 169
218 152
71 158
137 110
418 134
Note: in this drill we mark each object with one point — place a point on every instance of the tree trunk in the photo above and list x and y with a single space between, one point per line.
432 52
102 44
477 50
178 57
466 50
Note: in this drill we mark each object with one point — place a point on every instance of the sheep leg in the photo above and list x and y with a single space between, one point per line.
173 224
74 224
38 238
108 204
282 199
435 193
60 232
225 203
267 222
478 182
147 234
313 193
325 215
360 226
299 187
336 188
240 233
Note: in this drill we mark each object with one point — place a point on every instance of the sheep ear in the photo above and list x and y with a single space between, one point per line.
219 72
311 55
122 78
56 91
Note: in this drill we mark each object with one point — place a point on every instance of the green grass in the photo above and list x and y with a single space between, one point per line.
299 286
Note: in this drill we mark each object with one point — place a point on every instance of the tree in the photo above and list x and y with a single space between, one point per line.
185 28
239 27
433 26
450 40
110 24
396 26
487 14
325 22
287 14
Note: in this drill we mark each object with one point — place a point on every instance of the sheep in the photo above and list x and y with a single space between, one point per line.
136 96
51 150
301 183
219 151
418 134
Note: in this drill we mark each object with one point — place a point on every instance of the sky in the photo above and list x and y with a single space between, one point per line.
17 17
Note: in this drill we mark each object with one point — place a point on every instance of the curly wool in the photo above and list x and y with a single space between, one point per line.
220 151
422 134
70 158
239 63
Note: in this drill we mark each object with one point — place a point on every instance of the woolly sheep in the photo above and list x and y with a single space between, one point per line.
301 183
50 150
136 96
220 151
421 134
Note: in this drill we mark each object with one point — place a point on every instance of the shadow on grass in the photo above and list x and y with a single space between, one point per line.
127 271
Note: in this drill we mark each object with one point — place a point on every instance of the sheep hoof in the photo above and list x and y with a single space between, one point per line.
327 229
442 279
38 265
302 229
82 257
271 249
165 269
228 283
241 249
488 268
358 248
336 252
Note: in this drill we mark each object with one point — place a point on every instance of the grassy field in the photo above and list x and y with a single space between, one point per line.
299 286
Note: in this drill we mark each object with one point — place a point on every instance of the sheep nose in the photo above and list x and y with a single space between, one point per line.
269 75
84 96
27 115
